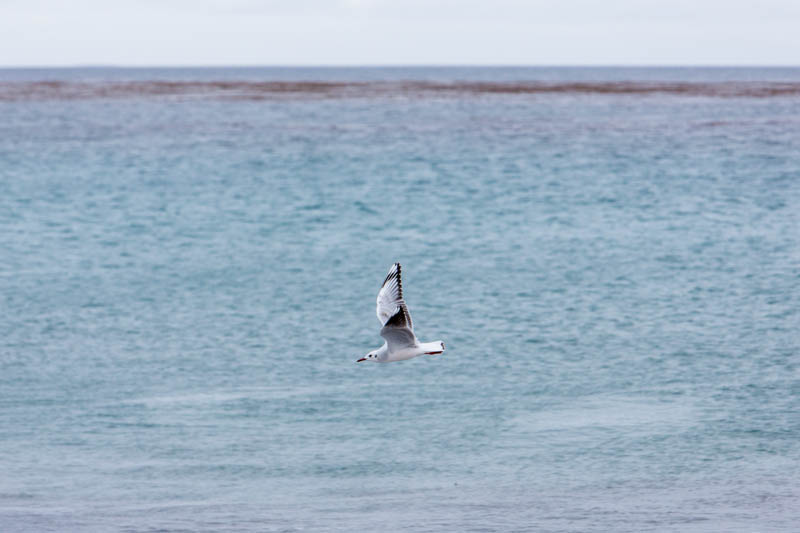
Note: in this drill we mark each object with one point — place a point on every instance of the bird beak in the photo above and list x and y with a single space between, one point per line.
362 359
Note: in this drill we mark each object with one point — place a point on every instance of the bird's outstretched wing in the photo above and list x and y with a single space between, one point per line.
390 298
398 329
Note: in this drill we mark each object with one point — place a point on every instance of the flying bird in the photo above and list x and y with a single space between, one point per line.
401 343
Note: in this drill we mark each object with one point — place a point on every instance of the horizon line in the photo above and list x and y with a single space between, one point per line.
393 65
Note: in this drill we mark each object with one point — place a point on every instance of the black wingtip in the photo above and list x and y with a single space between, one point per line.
395 274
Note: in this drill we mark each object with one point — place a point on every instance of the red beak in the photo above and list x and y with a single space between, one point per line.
362 359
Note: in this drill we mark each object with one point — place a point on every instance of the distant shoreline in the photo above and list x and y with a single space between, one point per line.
268 90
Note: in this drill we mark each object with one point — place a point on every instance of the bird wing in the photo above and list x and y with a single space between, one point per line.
397 330
390 298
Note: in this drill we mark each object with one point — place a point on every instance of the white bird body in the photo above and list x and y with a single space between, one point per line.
398 330
401 354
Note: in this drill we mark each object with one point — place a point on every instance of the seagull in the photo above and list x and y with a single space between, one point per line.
401 343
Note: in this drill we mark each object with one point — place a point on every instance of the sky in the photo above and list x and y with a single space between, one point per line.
399 32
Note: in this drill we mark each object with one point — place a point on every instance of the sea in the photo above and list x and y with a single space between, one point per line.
189 261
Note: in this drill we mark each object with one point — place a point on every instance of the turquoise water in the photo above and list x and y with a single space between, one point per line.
186 283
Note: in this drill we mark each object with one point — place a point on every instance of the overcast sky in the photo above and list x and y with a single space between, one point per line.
392 32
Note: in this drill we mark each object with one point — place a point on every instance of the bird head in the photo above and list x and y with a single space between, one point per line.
371 356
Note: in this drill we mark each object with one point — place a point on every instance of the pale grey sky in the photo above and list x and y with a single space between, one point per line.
391 32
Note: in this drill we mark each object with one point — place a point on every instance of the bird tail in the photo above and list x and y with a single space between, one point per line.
432 348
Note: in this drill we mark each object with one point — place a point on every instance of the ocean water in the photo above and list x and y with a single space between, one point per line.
186 281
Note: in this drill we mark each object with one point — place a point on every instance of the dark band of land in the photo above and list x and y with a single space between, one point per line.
270 90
